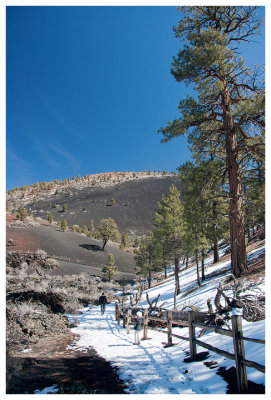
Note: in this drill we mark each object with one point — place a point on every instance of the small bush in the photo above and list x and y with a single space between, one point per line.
25 308
52 263
41 254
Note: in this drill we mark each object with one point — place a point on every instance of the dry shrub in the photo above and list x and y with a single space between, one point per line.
53 264
25 308
36 305
41 254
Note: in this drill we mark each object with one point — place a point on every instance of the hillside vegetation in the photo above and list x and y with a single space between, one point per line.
129 198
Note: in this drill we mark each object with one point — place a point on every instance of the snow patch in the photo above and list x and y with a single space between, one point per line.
48 390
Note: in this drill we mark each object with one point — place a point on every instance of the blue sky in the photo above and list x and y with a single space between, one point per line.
87 88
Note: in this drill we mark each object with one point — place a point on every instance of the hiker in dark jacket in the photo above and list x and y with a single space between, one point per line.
102 302
138 326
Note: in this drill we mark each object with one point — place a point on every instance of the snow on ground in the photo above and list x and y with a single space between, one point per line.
151 368
146 368
188 282
49 390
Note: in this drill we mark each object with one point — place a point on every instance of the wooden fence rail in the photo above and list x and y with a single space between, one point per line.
191 323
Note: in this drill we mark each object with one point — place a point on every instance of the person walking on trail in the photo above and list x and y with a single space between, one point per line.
138 326
102 302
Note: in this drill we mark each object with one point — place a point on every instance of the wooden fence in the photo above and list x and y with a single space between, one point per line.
192 320
76 261
62 258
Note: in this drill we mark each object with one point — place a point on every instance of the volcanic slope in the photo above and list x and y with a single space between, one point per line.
131 204
69 245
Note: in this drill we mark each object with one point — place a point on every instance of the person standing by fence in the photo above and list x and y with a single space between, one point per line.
102 302
138 326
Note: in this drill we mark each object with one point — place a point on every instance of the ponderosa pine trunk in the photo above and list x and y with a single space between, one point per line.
215 244
149 279
176 273
197 265
202 265
236 217
165 267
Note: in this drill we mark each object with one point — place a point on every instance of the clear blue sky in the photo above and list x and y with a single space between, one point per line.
87 88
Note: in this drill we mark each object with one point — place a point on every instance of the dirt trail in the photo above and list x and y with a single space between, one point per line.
50 363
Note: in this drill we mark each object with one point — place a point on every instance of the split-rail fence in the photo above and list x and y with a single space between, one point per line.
192 320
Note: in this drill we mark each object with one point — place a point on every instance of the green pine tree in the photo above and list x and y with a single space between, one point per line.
125 241
50 218
110 270
169 227
63 224
148 258
22 214
205 201
165 249
123 282
229 107
85 230
107 230
253 189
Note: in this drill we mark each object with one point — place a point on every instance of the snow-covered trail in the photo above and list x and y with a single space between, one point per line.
151 368
146 368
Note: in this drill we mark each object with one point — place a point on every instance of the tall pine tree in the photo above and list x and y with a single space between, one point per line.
169 226
230 97
148 257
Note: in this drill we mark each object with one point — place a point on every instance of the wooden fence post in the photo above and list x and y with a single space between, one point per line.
192 343
145 324
129 312
169 328
239 352
116 311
